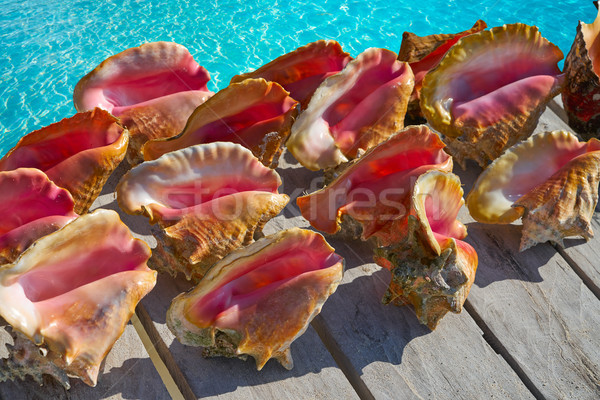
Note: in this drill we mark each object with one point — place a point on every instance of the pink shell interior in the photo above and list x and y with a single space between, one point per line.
359 106
241 288
378 183
30 202
591 36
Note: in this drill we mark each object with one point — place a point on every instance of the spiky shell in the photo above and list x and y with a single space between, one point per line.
490 89
77 153
353 110
259 299
432 268
550 180
73 292
301 71
582 89
208 200
254 113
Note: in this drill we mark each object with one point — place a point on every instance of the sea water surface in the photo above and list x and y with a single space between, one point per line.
48 45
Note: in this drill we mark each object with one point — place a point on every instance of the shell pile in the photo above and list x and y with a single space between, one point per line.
70 281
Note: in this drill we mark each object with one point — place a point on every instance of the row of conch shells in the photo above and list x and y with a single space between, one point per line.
353 110
550 180
582 89
152 88
254 113
208 200
68 305
424 53
259 299
402 194
77 153
490 89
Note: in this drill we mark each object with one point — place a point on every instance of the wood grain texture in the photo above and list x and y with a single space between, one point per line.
535 305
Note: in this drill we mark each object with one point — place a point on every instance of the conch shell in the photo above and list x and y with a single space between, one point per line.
550 180
423 53
490 89
432 268
77 153
72 294
353 110
32 207
208 200
152 88
373 189
259 299
303 70
254 113
582 90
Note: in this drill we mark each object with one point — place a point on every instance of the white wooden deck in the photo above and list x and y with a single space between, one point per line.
530 328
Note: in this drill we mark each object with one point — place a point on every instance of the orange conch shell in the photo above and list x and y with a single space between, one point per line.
31 206
301 71
582 90
432 268
259 299
152 88
77 153
423 53
208 200
71 302
490 89
550 180
254 113
373 190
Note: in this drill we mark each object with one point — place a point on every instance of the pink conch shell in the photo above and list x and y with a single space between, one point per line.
152 88
72 294
353 110
32 207
254 113
374 188
208 200
259 299
582 90
550 180
490 89
432 268
423 53
303 70
77 153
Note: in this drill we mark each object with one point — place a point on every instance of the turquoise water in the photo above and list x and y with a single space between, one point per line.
48 45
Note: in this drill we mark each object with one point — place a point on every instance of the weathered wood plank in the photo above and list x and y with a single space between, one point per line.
127 373
395 356
535 305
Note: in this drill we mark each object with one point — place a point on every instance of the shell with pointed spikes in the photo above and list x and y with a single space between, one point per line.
254 113
32 207
73 304
152 88
424 53
301 71
490 89
208 200
373 189
582 89
259 299
432 268
550 180
353 110
77 153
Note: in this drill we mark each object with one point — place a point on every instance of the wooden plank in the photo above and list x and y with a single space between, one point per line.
535 305
127 373
393 354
